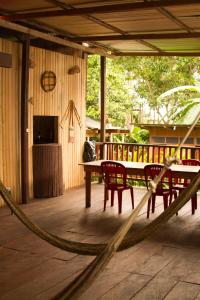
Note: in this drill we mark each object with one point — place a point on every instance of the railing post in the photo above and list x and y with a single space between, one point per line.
149 153
193 152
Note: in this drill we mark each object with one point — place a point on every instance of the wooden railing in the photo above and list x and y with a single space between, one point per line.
150 153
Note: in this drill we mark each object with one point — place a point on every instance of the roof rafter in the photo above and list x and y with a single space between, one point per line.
103 9
48 37
147 44
170 16
143 36
104 24
89 17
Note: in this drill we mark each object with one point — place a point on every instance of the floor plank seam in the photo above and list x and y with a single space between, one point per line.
190 282
169 291
65 260
153 277
18 250
137 292
57 283
37 254
115 285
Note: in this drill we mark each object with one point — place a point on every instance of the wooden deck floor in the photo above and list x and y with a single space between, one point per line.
164 266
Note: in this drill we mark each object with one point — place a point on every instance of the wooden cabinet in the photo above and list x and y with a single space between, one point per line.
47 170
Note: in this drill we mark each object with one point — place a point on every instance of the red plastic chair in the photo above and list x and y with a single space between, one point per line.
164 188
115 177
183 184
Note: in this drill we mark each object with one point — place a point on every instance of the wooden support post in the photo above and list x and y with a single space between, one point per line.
24 120
103 100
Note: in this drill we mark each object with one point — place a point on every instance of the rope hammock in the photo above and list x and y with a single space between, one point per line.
120 241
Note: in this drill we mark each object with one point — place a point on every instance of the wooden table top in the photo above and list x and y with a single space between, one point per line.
140 166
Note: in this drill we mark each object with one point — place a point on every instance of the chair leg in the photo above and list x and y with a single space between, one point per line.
148 207
112 197
153 202
194 203
120 201
170 198
165 201
175 196
105 197
132 197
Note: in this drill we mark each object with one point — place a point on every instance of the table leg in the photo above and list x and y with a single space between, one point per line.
87 189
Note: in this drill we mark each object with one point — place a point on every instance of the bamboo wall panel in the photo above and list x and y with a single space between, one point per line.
10 120
54 103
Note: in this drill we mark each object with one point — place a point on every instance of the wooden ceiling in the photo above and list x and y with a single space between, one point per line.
159 27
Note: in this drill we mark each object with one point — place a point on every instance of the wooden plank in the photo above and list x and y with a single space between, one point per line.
105 282
126 288
184 291
149 270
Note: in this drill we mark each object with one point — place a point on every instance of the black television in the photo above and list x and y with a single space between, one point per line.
45 129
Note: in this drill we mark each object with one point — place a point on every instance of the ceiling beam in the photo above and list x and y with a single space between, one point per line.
123 7
149 53
48 37
143 36
106 48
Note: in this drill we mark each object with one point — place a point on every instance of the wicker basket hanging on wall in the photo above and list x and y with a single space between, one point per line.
48 81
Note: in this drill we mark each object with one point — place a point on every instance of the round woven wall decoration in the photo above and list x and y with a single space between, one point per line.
48 81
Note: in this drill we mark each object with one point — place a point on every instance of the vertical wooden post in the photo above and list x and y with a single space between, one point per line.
193 153
24 120
103 100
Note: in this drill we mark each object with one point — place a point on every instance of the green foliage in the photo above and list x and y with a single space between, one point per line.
156 75
135 80
138 135
119 99
93 88
189 112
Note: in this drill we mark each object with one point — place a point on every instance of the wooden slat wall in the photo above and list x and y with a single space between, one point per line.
54 103
10 121
69 87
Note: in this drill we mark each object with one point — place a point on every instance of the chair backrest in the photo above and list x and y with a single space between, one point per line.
151 171
191 162
114 173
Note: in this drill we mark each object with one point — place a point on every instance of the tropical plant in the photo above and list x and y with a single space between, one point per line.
138 135
184 110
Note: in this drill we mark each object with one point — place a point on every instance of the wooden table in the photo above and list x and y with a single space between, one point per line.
132 168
